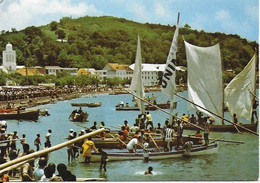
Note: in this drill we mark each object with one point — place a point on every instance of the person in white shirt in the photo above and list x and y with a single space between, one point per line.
168 137
132 145
39 172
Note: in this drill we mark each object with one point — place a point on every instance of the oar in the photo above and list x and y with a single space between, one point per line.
154 142
236 128
218 138
253 94
221 140
117 138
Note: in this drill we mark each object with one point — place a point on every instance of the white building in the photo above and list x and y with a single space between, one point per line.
150 73
9 59
102 74
118 70
52 70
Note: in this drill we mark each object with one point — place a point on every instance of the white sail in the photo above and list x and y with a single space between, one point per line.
205 78
168 80
136 83
237 93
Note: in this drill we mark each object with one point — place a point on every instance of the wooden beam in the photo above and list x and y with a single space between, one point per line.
48 150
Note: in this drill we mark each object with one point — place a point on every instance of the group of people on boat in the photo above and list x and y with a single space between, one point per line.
75 114
199 120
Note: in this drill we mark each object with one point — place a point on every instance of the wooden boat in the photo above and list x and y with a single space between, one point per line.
147 107
225 128
3 110
133 108
79 117
166 105
32 114
96 104
124 155
112 143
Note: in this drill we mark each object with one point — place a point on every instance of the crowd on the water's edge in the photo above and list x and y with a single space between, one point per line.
18 93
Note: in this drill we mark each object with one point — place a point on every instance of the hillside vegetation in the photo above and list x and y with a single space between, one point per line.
96 41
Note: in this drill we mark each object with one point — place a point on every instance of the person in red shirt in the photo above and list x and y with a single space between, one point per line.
124 133
198 134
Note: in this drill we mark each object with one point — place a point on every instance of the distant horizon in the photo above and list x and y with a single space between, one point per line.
230 17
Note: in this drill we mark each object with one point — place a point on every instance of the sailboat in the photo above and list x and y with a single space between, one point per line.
205 86
137 83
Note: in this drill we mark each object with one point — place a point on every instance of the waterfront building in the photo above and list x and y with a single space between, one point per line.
31 71
118 70
53 70
150 73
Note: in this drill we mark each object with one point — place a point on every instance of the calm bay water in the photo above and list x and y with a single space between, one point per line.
232 162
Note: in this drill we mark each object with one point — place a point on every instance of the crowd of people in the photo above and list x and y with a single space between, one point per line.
31 170
17 93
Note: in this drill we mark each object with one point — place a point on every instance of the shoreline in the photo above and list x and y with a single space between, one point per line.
34 102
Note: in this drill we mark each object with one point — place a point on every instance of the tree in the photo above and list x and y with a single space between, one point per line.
2 78
61 34
14 30
53 25
186 26
32 32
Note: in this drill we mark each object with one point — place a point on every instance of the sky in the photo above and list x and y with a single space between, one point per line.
226 16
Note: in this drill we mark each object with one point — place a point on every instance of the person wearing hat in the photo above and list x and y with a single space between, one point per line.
3 124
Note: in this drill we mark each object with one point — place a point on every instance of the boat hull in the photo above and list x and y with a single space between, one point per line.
25 115
96 104
126 156
79 117
111 143
224 128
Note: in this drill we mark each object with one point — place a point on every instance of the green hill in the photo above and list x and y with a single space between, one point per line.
95 41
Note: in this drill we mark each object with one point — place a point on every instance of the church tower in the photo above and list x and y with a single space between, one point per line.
9 58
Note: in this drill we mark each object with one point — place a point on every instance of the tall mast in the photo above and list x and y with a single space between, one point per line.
223 85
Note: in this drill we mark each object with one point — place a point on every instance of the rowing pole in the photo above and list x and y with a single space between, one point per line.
218 139
253 94
51 149
117 139
163 110
154 142
216 115
15 165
